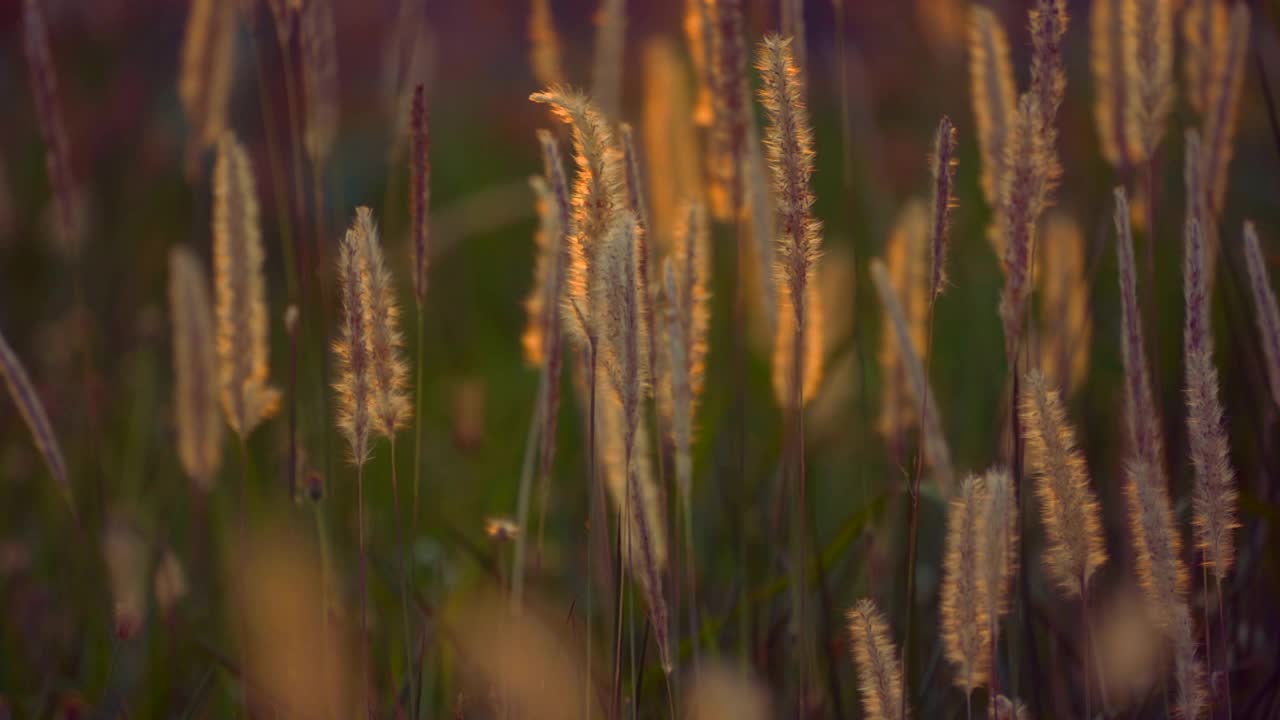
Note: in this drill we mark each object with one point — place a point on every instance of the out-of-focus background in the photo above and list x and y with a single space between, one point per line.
90 322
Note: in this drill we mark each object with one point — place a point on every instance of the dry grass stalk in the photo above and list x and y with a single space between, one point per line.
1204 30
1214 497
1108 44
1267 314
944 164
936 452
204 82
1141 418
390 409
420 191
639 208
1064 303
33 414
1068 507
880 676
597 191
319 79
610 53
1223 107
195 370
992 96
546 243
1148 72
789 152
240 292
908 272
729 104
686 282
964 624
355 368
784 342
544 44
669 137
44 91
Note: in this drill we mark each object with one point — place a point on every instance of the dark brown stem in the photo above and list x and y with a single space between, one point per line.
914 530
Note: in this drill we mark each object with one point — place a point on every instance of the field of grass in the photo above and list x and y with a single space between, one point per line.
705 359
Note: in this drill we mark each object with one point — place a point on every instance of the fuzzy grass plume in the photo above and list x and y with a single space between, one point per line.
204 81
1023 199
195 370
963 621
1107 47
240 292
997 545
992 95
731 115
1223 108
1148 73
1214 497
354 385
944 162
33 414
1066 323
876 657
391 410
1266 312
319 79
1068 507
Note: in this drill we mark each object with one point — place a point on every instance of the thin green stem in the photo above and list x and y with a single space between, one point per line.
1226 646
404 570
364 572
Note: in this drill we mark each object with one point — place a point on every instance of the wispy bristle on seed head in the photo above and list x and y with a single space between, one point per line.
597 192
1223 109
1108 44
1214 495
1204 30
1048 21
619 299
319 79
729 104
544 44
936 452
1022 200
876 657
1148 50
944 201
964 625
37 420
992 95
354 385
1266 311
240 292
419 191
1069 509
998 548
391 410
195 370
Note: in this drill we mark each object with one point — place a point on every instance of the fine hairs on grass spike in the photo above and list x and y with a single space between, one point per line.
1148 72
992 95
37 420
391 410
355 381
319 79
963 621
1214 495
1068 507
876 657
936 452
1140 417
1266 311
195 370
998 547
240 291
1022 200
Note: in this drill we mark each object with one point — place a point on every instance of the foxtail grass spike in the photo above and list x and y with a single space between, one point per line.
1223 109
1069 509
1107 48
37 420
204 81
420 191
998 546
391 408
1214 496
1148 70
195 370
992 95
44 90
944 201
1023 199
876 658
1204 30
240 292
1140 411
731 115
544 44
1266 312
355 382
964 625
